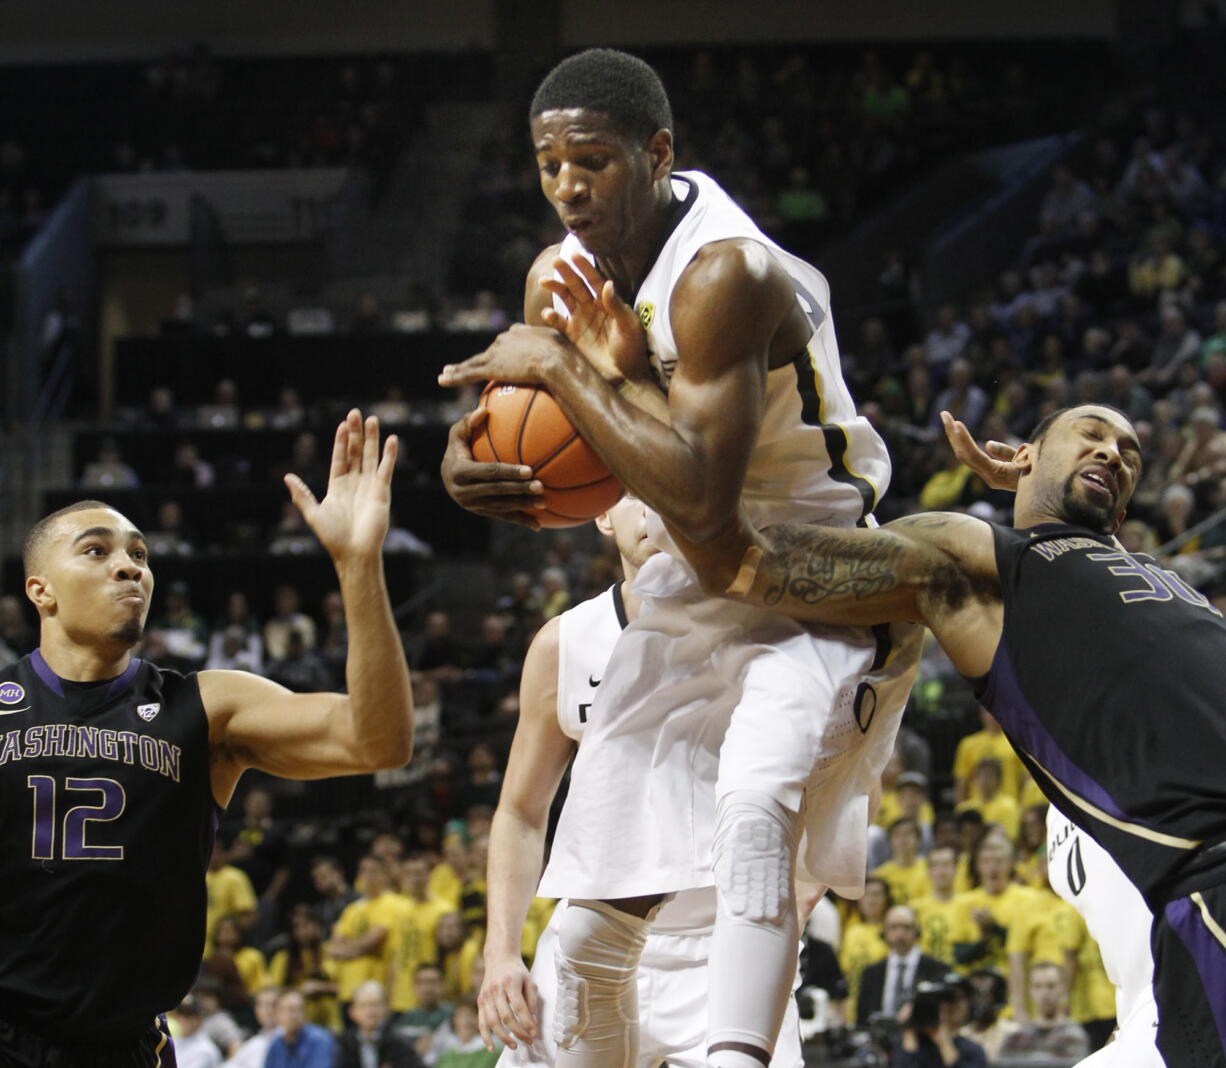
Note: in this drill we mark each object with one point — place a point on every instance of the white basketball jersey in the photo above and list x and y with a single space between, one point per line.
1085 876
586 636
815 458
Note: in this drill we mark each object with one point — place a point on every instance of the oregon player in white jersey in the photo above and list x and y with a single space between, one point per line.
1085 876
732 394
562 670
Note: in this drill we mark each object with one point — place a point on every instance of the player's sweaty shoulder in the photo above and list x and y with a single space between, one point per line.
736 263
731 296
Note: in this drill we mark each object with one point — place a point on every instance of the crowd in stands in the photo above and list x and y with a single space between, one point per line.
194 110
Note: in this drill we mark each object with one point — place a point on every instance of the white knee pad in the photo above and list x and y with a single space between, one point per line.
755 846
596 1014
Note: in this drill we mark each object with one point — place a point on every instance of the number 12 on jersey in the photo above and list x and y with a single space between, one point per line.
76 819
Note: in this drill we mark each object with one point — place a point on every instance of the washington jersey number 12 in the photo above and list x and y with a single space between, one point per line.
76 818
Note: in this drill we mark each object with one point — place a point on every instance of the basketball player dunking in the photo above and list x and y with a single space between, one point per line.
113 772
1105 670
745 382
565 663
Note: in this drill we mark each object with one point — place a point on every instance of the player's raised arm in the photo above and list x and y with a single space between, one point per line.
507 1003
256 723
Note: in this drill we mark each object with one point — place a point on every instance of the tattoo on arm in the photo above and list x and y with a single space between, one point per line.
812 566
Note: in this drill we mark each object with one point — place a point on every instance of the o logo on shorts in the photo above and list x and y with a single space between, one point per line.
865 706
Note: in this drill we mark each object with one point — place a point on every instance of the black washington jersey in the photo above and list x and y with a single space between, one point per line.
106 824
1110 682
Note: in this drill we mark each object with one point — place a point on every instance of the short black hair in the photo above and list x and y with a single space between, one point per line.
1046 423
616 84
40 530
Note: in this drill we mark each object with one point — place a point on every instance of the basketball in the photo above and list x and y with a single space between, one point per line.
526 426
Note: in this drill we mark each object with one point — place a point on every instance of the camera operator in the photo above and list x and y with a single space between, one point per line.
930 1036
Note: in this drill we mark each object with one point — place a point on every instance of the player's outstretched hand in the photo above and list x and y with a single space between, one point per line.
993 463
352 519
600 325
507 1005
497 491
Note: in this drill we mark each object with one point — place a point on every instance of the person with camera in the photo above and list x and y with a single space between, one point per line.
886 985
930 1036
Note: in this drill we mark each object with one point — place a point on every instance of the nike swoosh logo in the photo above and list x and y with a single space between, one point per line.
593 682
14 711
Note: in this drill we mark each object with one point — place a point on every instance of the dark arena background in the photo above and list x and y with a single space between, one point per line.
222 225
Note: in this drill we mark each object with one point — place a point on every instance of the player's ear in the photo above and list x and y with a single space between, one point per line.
604 524
660 153
39 592
1024 457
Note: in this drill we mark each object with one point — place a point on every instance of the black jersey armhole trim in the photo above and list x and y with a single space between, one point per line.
679 210
619 606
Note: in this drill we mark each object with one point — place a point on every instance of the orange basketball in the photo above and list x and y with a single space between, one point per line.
526 426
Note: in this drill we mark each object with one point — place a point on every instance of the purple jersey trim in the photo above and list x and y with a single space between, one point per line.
56 685
1003 697
1208 953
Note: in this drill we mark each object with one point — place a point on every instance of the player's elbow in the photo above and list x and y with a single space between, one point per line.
395 752
700 520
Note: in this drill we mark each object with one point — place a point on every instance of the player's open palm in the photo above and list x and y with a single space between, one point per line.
352 519
599 323
508 1004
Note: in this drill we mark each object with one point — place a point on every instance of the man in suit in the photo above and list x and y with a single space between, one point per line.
884 986
371 1042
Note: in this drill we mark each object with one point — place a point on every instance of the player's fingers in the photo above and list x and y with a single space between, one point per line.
561 292
574 281
304 500
387 465
522 1021
470 370
483 1024
354 442
533 999
999 450
463 429
553 320
591 274
370 443
340 449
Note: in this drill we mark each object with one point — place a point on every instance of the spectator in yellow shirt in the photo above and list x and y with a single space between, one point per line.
993 920
1091 993
230 893
989 741
413 936
863 938
909 797
302 966
936 911
457 950
987 796
905 872
1032 847
448 875
971 828
359 944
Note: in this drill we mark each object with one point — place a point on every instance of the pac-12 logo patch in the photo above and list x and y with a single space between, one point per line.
646 313
147 712
11 693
